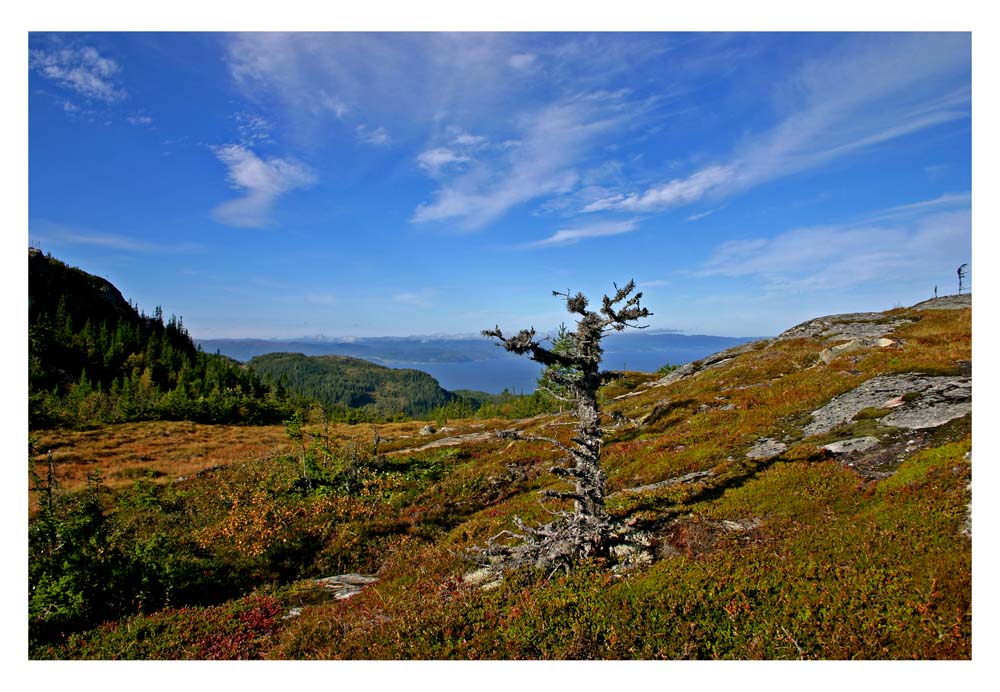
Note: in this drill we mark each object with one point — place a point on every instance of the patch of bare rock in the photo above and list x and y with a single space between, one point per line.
678 480
955 302
766 448
448 442
916 402
713 361
847 332
855 444
345 585
865 326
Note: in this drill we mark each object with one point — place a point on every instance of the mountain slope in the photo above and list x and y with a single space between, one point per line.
802 497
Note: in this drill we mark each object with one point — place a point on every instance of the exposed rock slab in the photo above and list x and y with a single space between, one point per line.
859 329
827 355
855 444
766 448
867 327
677 480
713 361
485 578
955 302
447 442
940 400
345 585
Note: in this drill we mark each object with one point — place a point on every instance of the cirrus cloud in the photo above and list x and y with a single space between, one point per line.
868 93
82 70
263 181
902 244
569 236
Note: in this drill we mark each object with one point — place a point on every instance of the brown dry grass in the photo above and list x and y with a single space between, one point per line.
164 451
161 451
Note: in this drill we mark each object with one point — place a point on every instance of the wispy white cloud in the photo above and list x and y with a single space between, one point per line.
82 70
320 298
700 215
541 162
522 61
422 298
870 92
378 136
465 139
331 104
433 160
528 141
371 77
139 119
676 192
253 129
952 201
263 181
48 232
898 244
569 236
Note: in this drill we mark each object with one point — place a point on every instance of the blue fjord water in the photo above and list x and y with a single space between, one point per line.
471 363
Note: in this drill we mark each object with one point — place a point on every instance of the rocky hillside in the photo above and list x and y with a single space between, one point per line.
805 496
902 403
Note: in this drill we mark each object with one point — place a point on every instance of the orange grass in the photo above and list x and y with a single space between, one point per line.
160 451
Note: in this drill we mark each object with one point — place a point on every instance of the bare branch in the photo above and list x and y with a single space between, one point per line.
508 533
561 513
557 396
525 342
630 312
560 495
516 435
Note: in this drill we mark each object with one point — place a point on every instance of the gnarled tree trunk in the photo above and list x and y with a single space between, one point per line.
586 531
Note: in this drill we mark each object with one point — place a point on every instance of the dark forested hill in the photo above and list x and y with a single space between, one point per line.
343 382
94 358
55 286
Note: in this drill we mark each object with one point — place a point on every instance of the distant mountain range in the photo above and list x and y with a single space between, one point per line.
477 363
460 349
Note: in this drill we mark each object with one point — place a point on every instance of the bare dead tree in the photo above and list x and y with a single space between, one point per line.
575 370
961 278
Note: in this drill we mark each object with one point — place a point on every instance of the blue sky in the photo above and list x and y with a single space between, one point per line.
392 184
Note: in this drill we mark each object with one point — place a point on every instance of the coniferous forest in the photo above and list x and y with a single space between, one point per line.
95 358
